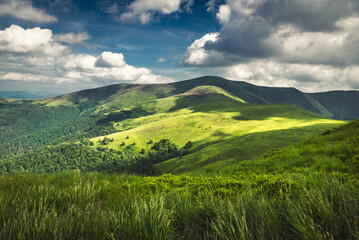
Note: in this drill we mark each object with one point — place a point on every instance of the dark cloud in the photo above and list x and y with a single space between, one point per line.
308 44
295 31
311 15
247 39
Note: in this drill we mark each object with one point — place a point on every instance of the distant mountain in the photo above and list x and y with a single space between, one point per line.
340 105
24 95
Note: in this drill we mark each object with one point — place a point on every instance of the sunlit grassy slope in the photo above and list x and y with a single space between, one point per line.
222 127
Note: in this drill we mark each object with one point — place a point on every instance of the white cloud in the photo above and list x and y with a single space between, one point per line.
196 54
24 10
33 40
306 77
78 61
107 67
224 14
28 77
72 38
144 10
312 45
35 55
109 59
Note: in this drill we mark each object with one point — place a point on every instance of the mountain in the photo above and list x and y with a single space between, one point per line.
211 112
23 95
223 127
253 165
29 124
336 104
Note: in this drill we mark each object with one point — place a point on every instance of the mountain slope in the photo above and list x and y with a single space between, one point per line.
335 150
337 104
222 128
28 124
342 104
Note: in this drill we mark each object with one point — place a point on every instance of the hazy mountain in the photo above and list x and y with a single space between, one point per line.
336 104
24 95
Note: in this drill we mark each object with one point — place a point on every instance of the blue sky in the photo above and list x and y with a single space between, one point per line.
61 46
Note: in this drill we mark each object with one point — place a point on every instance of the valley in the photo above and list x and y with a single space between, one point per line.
204 158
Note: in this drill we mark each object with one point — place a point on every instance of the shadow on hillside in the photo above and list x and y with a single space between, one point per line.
246 147
264 112
220 103
205 103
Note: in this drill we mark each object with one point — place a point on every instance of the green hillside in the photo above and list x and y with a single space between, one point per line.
30 124
334 150
250 162
223 129
305 191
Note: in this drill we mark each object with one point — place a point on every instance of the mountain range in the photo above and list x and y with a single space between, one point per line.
334 104
225 121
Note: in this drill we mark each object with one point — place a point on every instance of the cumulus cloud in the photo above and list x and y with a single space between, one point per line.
306 77
33 40
109 59
224 14
22 77
266 34
36 55
72 38
143 11
319 31
23 9
196 54
108 67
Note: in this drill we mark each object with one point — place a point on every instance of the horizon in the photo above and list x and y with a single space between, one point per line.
59 47
39 95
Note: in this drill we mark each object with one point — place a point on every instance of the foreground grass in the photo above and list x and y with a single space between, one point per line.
100 206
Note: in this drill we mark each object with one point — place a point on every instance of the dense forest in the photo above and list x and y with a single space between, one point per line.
26 125
83 156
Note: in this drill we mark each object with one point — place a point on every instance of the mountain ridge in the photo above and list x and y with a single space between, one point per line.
332 104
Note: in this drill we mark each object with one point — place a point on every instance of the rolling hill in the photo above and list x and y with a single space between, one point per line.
222 127
28 124
334 104
212 112
250 162
305 191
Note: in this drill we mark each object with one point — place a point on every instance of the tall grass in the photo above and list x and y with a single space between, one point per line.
100 206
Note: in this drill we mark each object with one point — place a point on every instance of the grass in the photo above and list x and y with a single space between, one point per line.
306 191
228 189
333 150
98 206
221 136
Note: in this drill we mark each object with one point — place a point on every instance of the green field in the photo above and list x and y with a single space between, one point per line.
306 191
200 159
222 128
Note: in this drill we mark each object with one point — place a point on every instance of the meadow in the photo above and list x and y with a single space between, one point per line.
178 161
277 197
100 206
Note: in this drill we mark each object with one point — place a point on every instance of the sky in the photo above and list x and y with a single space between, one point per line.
59 46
